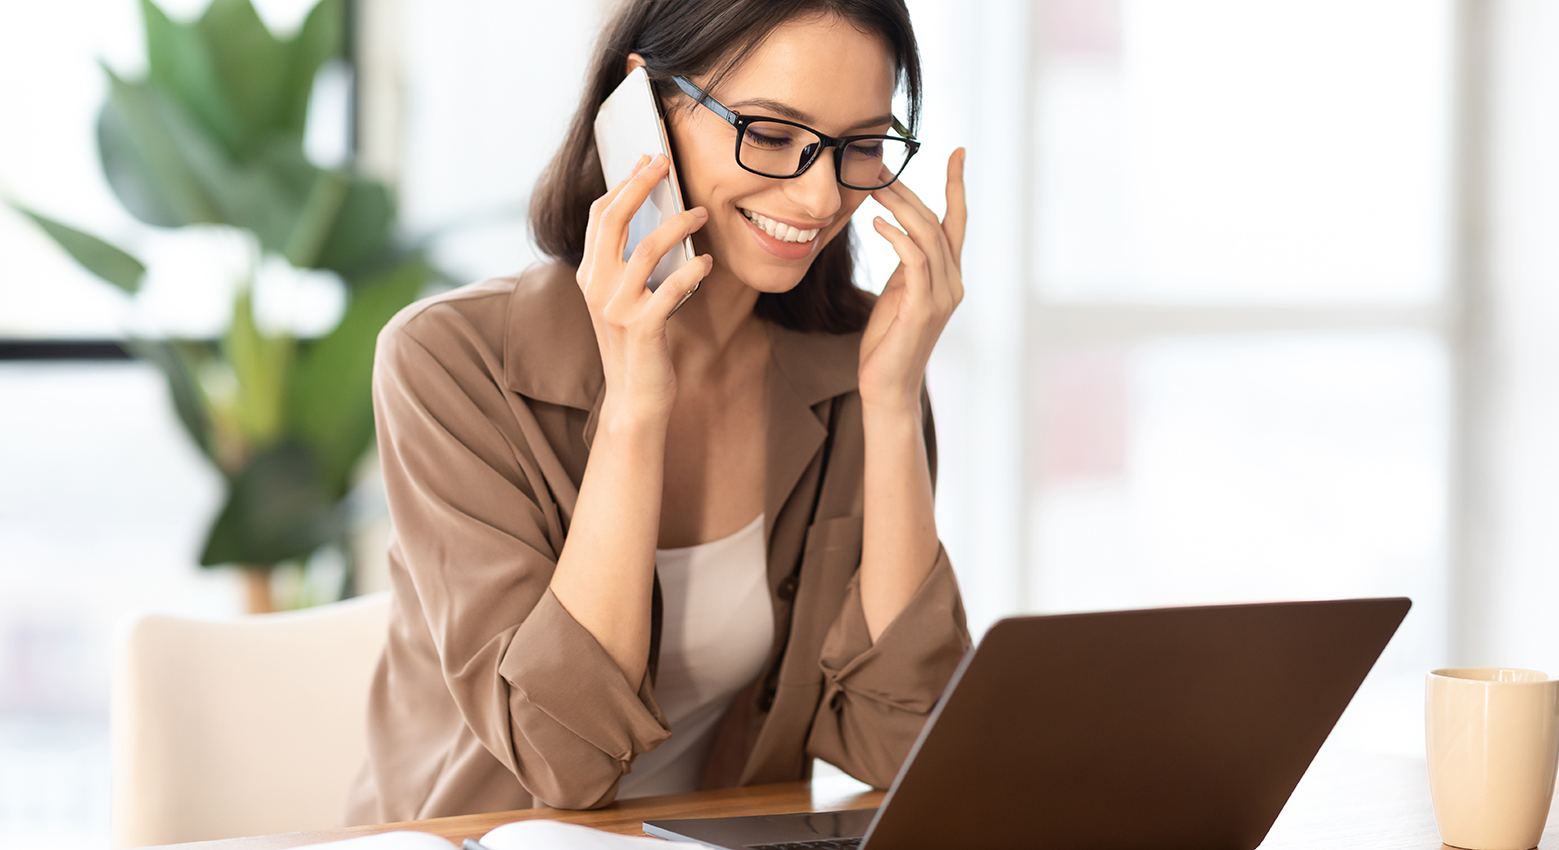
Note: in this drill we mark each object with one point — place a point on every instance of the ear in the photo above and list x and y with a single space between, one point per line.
634 61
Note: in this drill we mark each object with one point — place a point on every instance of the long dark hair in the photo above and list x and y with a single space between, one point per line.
691 38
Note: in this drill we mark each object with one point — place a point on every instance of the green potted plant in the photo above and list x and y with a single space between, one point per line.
213 135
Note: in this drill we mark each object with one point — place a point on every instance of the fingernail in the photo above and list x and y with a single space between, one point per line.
659 159
643 158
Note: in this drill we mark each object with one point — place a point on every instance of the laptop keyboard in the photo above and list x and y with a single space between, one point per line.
819 844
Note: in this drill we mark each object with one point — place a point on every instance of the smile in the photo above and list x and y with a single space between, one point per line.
780 230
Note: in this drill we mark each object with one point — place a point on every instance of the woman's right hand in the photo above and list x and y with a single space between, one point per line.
629 319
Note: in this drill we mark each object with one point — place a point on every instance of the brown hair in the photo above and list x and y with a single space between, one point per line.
690 38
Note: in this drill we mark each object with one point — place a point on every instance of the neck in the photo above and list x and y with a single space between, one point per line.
716 319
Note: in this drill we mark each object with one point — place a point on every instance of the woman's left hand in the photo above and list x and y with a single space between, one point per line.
920 295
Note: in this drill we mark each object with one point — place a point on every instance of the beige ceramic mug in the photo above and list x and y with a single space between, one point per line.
1493 742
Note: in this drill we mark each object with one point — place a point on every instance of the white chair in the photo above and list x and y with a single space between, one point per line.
242 727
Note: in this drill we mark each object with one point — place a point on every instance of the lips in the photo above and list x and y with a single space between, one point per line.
779 229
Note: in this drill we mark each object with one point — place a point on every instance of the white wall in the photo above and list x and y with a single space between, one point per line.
488 87
1522 624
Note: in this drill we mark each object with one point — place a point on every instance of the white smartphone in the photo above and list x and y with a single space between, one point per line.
628 126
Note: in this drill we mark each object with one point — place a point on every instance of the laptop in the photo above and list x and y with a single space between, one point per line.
1162 728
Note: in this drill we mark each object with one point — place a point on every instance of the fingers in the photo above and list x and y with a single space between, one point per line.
922 226
914 216
599 204
899 189
957 216
679 285
941 240
638 165
917 284
630 301
632 192
647 254
612 227
593 223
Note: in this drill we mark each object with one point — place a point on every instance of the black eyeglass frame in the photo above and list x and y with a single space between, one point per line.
740 122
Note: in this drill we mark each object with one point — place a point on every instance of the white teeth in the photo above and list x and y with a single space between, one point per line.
779 230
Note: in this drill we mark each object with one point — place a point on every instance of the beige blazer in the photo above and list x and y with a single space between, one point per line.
489 695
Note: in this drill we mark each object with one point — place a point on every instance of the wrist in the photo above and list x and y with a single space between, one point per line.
896 414
622 420
895 396
891 405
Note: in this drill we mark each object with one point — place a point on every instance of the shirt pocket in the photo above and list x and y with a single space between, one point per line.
830 559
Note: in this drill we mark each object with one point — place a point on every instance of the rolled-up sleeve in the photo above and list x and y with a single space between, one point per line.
877 695
568 691
470 508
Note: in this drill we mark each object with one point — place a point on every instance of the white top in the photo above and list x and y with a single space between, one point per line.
717 625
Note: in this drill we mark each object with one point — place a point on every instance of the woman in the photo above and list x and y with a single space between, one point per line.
639 555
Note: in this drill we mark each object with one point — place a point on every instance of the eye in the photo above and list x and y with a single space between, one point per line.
866 150
768 136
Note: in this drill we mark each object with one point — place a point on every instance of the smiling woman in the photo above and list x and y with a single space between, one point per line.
641 554
711 44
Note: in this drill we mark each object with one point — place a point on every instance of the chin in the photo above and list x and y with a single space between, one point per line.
766 277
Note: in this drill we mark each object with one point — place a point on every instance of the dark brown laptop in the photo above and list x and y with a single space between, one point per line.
1159 728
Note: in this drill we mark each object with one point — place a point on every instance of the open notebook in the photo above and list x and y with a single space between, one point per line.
520 835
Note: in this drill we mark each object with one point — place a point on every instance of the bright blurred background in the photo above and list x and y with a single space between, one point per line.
1263 303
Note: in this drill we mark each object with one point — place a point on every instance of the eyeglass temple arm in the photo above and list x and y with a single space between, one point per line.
703 97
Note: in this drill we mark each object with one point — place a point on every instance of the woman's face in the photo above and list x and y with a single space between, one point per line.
818 71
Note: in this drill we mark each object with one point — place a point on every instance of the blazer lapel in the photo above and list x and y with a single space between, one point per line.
806 370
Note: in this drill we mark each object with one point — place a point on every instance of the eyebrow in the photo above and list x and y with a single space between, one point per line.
790 112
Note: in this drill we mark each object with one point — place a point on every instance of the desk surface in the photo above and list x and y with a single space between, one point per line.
1347 800
625 817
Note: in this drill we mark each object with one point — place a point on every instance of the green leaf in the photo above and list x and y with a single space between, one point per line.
285 164
276 511
317 42
251 65
188 400
331 406
262 364
266 195
131 175
149 147
169 171
179 62
96 256
363 229
315 220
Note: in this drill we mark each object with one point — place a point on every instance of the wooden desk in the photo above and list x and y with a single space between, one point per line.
624 817
1347 800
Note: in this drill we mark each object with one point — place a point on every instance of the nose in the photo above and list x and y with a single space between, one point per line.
817 189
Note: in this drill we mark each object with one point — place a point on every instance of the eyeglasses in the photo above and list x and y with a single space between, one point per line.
774 147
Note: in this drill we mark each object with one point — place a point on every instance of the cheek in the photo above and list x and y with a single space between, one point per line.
693 176
699 167
850 200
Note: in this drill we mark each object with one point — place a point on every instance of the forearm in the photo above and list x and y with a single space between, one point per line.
605 574
899 539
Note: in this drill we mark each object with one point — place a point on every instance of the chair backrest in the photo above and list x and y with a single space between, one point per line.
242 727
